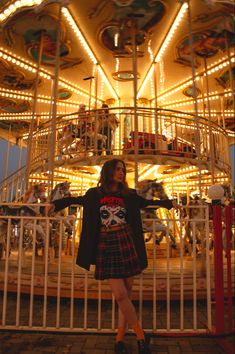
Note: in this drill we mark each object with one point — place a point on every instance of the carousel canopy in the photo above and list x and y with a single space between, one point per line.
95 56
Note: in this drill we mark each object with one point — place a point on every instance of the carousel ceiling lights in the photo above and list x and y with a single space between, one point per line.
171 32
27 116
164 45
11 9
223 63
29 66
87 48
213 112
40 98
211 97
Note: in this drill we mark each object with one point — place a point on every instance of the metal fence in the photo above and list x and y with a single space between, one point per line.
43 289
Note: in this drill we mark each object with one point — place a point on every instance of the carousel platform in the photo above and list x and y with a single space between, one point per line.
92 285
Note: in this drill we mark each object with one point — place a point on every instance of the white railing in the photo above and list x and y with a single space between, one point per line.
160 132
42 288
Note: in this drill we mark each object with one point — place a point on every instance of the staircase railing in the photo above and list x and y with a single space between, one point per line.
160 132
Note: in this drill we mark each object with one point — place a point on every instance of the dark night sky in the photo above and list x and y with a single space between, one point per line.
14 158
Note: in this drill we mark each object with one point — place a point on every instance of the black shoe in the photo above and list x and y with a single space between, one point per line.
120 348
143 347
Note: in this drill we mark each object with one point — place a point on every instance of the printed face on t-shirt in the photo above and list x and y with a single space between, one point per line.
112 211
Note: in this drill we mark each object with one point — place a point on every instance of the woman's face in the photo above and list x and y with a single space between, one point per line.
119 173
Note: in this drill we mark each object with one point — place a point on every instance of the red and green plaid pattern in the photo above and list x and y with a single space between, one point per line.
116 254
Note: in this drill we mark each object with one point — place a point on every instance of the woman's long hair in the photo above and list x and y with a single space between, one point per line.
106 177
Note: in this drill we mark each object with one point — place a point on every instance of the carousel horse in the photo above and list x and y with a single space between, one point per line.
3 232
5 210
61 190
195 220
34 195
149 189
65 141
87 138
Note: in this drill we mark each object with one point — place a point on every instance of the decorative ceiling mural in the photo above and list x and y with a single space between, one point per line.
224 78
12 78
208 41
64 94
31 30
13 106
116 32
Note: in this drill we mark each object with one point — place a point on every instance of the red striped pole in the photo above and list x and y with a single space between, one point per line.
228 225
218 270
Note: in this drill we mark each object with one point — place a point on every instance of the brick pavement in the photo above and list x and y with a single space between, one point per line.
61 343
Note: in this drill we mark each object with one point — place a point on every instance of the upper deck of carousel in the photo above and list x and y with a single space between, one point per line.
165 69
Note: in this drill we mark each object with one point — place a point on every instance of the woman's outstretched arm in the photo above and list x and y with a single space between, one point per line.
60 204
163 203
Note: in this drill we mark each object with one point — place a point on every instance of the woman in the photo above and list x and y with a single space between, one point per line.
108 123
112 239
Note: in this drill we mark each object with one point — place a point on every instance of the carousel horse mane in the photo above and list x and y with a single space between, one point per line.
60 191
150 188
35 194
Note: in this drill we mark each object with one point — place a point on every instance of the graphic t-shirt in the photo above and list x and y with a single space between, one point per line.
112 210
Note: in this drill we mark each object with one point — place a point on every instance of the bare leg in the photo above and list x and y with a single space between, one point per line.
122 322
126 307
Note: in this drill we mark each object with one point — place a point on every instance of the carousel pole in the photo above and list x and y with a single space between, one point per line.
222 111
90 78
96 84
232 80
134 62
156 106
205 147
96 113
19 164
6 165
197 140
231 77
89 107
52 140
31 129
188 193
212 154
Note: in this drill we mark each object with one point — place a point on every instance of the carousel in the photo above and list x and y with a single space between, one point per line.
81 82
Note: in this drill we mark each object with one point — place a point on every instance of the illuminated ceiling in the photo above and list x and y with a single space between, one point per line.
96 41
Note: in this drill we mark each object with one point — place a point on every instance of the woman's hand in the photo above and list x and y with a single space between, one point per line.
176 205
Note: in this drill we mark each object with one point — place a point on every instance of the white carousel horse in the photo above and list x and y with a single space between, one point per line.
69 134
35 195
195 223
88 136
61 190
149 189
73 130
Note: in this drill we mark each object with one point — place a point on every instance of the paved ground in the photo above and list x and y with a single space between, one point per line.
60 343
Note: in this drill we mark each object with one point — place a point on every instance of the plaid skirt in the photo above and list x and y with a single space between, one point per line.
116 255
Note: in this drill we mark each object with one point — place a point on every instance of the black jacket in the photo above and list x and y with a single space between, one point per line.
91 223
